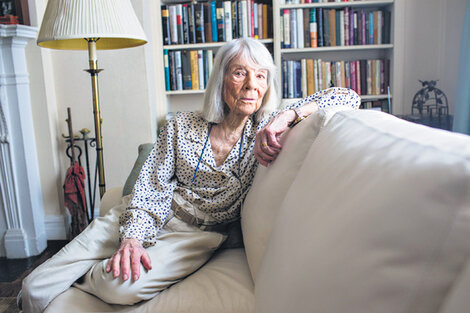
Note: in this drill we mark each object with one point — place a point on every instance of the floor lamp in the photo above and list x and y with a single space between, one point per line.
91 25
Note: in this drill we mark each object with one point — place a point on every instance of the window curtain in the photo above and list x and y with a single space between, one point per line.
462 100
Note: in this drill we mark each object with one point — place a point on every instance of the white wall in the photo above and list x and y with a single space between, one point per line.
432 31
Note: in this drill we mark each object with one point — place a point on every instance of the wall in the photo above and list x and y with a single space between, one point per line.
431 31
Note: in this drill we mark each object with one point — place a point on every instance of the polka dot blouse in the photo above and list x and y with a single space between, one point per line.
218 191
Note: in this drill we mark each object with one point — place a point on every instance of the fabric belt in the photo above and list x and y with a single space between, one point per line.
188 218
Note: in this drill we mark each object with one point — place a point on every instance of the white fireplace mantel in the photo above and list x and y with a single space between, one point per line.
22 230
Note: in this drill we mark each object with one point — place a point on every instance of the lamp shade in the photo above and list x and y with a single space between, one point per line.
67 22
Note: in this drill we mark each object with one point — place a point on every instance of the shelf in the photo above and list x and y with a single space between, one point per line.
206 45
338 48
331 5
184 92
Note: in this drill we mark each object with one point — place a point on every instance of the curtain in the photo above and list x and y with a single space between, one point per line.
462 100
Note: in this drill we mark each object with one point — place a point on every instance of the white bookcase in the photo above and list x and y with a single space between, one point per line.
183 100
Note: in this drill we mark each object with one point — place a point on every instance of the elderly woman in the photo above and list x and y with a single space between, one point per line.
190 189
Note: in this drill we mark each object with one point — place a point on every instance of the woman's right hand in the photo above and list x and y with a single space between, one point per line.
127 259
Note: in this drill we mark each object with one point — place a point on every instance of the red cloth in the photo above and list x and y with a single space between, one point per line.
74 198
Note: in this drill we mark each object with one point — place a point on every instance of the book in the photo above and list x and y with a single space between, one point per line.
192 23
297 80
178 70
166 66
351 27
200 65
320 42
371 28
165 25
332 20
355 29
186 68
293 28
300 28
171 60
185 24
303 70
254 14
341 31
207 21
179 23
228 20
363 69
235 31
213 18
210 61
220 17
266 19
260 21
338 27
326 28
173 27
346 26
287 32
313 29
205 60
199 20
244 18
310 77
290 79
194 69
386 27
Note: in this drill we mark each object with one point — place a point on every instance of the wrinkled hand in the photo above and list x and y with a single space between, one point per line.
128 257
267 142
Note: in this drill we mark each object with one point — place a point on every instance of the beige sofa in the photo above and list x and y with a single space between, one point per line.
361 212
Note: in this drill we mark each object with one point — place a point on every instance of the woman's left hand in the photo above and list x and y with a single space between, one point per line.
267 142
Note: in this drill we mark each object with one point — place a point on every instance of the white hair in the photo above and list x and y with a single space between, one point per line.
251 50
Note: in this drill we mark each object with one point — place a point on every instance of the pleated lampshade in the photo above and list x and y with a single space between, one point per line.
67 22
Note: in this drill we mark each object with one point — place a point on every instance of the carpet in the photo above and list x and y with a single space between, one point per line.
8 305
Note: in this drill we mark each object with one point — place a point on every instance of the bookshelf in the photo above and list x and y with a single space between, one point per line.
175 100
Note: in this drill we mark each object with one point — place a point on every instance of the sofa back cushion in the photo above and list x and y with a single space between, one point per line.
271 184
377 220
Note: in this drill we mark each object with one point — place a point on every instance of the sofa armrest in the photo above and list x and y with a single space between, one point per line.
111 198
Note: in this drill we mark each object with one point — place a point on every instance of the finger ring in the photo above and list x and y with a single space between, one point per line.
264 144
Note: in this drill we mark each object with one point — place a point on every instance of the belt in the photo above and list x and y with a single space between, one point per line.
190 219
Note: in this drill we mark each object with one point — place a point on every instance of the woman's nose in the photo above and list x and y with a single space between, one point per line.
250 82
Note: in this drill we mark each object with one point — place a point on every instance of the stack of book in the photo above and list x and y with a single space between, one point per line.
306 76
187 69
321 27
216 21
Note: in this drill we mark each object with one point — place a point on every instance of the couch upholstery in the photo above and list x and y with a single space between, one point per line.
361 212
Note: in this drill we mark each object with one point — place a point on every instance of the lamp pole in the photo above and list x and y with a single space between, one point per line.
96 112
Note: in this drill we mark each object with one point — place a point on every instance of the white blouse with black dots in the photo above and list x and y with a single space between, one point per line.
219 191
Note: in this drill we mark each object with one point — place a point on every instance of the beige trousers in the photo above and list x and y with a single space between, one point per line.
180 250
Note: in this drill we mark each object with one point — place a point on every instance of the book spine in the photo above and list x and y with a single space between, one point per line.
306 15
284 79
252 18
192 23
332 19
376 27
260 21
326 28
166 25
313 28
200 64
286 16
205 61
244 18
346 26
300 28
355 29
178 70
199 17
290 79
194 69
179 23
310 77
320 27
210 61
213 17
338 27
186 66
358 77
293 28
220 16
315 75
186 24
371 28
254 13
171 59
363 28
303 70
266 17
235 31
166 66
298 80
351 27
173 27
341 30
352 66
228 20
320 74
379 27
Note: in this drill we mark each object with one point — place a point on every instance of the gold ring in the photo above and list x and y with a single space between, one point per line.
264 144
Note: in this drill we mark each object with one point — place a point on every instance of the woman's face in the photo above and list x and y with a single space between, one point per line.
244 87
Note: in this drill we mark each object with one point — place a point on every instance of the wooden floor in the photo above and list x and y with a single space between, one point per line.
12 271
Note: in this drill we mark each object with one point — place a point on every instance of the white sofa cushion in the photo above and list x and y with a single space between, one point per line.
272 183
377 220
223 285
